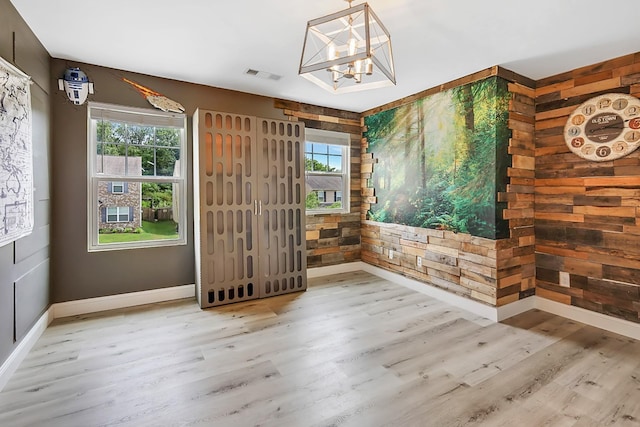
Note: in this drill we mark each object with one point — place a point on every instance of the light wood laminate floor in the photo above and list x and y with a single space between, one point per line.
354 350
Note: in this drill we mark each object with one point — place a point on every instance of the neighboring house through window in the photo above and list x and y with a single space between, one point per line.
135 166
327 171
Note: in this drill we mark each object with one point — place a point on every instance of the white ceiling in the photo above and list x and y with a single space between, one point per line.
213 42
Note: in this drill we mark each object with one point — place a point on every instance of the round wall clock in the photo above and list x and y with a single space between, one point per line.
604 128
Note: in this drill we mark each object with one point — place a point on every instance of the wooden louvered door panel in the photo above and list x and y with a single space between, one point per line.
281 219
249 207
227 262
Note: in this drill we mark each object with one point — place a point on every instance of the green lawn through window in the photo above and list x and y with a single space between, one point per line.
161 230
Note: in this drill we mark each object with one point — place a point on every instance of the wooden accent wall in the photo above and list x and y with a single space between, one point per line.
516 255
332 238
587 214
494 272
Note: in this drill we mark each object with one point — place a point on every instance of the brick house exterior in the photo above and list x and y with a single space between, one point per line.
119 203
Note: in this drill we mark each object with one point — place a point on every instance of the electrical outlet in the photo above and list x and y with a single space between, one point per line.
419 261
390 253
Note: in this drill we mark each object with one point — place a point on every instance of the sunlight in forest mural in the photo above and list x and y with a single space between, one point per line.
443 159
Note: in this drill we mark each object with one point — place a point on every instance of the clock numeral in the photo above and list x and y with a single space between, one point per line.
634 110
604 103
588 149
578 119
632 136
619 147
603 151
620 104
573 131
577 142
634 123
589 109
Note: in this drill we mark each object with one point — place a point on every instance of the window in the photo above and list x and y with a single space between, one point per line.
117 187
117 214
136 173
327 171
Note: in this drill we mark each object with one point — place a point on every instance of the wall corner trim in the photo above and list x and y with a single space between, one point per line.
24 347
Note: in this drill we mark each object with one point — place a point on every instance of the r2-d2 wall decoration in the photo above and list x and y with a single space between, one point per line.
76 85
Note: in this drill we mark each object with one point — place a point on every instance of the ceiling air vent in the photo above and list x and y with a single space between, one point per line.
262 74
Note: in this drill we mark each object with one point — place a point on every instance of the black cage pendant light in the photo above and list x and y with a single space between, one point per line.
348 51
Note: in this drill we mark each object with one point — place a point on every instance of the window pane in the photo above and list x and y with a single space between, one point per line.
140 135
320 162
111 164
155 215
166 161
168 137
335 164
111 131
335 149
320 148
141 161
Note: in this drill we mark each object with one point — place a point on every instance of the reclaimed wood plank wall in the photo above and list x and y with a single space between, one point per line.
587 214
332 238
516 255
494 272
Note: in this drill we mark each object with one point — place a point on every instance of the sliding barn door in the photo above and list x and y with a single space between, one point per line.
249 207
227 263
281 187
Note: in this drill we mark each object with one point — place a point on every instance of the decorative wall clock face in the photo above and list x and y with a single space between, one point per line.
604 128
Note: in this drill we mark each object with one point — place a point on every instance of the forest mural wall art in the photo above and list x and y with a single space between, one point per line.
443 159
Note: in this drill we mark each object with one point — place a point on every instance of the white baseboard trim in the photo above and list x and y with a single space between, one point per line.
592 318
516 307
496 314
24 347
93 305
328 270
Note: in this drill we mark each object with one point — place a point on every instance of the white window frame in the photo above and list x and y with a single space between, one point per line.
344 141
136 116
115 184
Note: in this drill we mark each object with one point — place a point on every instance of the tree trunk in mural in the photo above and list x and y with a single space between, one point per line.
422 145
467 107
407 146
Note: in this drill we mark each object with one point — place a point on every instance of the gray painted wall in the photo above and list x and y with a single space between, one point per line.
24 264
76 273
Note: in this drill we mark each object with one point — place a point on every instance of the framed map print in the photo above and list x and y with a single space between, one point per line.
16 158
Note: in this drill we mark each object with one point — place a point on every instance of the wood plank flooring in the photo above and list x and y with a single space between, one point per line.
354 350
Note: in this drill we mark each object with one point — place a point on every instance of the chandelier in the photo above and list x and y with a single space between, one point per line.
348 51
